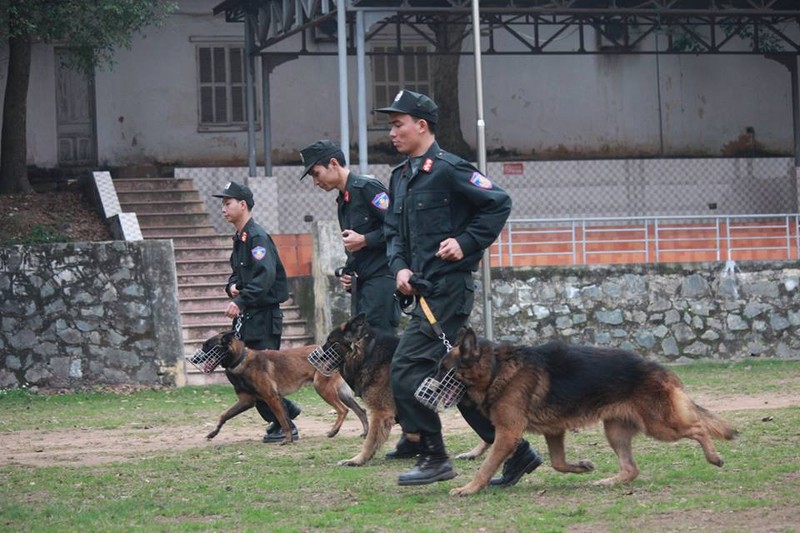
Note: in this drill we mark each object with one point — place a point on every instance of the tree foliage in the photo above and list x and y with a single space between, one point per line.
92 29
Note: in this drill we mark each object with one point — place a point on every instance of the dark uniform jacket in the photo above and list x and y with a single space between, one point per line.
445 197
362 207
261 279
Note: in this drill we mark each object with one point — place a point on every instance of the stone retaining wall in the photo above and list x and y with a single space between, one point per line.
668 312
84 314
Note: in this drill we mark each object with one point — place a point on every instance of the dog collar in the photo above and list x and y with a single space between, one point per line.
241 358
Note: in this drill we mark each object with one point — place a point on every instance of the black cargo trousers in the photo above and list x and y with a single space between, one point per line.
420 350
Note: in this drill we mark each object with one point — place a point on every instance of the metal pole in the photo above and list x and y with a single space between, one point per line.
793 72
249 70
266 118
362 94
486 266
341 34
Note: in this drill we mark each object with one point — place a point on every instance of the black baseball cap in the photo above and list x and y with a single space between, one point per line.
238 192
318 152
414 104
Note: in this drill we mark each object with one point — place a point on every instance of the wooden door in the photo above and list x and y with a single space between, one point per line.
75 123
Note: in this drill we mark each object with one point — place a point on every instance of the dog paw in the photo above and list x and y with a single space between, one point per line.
355 461
212 435
332 433
466 457
607 482
466 490
586 466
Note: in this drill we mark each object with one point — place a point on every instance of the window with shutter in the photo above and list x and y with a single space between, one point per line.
221 88
390 73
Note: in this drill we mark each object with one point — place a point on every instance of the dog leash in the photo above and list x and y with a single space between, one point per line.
237 327
423 303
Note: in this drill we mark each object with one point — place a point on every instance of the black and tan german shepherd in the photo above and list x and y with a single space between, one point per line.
556 387
366 367
269 374
367 358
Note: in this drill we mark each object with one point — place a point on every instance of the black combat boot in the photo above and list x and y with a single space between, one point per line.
405 449
433 464
275 431
523 461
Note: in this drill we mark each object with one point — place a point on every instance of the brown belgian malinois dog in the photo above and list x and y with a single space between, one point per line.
269 374
556 387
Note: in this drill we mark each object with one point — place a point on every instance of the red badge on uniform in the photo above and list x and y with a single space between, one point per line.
346 197
244 236
428 165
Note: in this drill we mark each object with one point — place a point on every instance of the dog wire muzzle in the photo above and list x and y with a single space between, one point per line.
447 392
326 361
207 361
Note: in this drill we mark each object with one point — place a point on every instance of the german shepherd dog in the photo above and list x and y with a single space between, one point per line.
367 358
555 387
269 374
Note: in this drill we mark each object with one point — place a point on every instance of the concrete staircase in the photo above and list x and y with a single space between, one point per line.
169 208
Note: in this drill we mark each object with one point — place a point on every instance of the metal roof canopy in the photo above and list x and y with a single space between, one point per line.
753 27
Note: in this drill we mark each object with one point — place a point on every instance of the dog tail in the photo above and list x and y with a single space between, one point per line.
716 426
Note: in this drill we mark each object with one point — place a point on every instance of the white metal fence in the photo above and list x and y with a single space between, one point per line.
656 239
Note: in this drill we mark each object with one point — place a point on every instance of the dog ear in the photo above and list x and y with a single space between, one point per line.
226 337
460 335
357 326
359 320
468 344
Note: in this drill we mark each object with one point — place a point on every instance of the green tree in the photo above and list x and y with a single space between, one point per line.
92 29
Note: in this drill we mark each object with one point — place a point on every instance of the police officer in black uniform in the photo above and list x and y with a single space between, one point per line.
257 286
443 214
361 207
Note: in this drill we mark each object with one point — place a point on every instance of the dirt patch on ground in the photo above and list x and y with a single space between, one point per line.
64 216
96 446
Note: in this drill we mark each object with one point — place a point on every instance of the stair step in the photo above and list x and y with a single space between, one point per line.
201 254
153 184
146 207
129 197
203 279
210 241
171 232
200 267
175 220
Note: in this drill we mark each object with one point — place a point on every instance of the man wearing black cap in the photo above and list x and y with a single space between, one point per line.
443 214
257 287
361 207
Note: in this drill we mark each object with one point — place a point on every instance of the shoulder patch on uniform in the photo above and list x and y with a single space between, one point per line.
381 201
479 180
258 253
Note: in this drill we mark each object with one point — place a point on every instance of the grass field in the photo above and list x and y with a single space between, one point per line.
235 483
